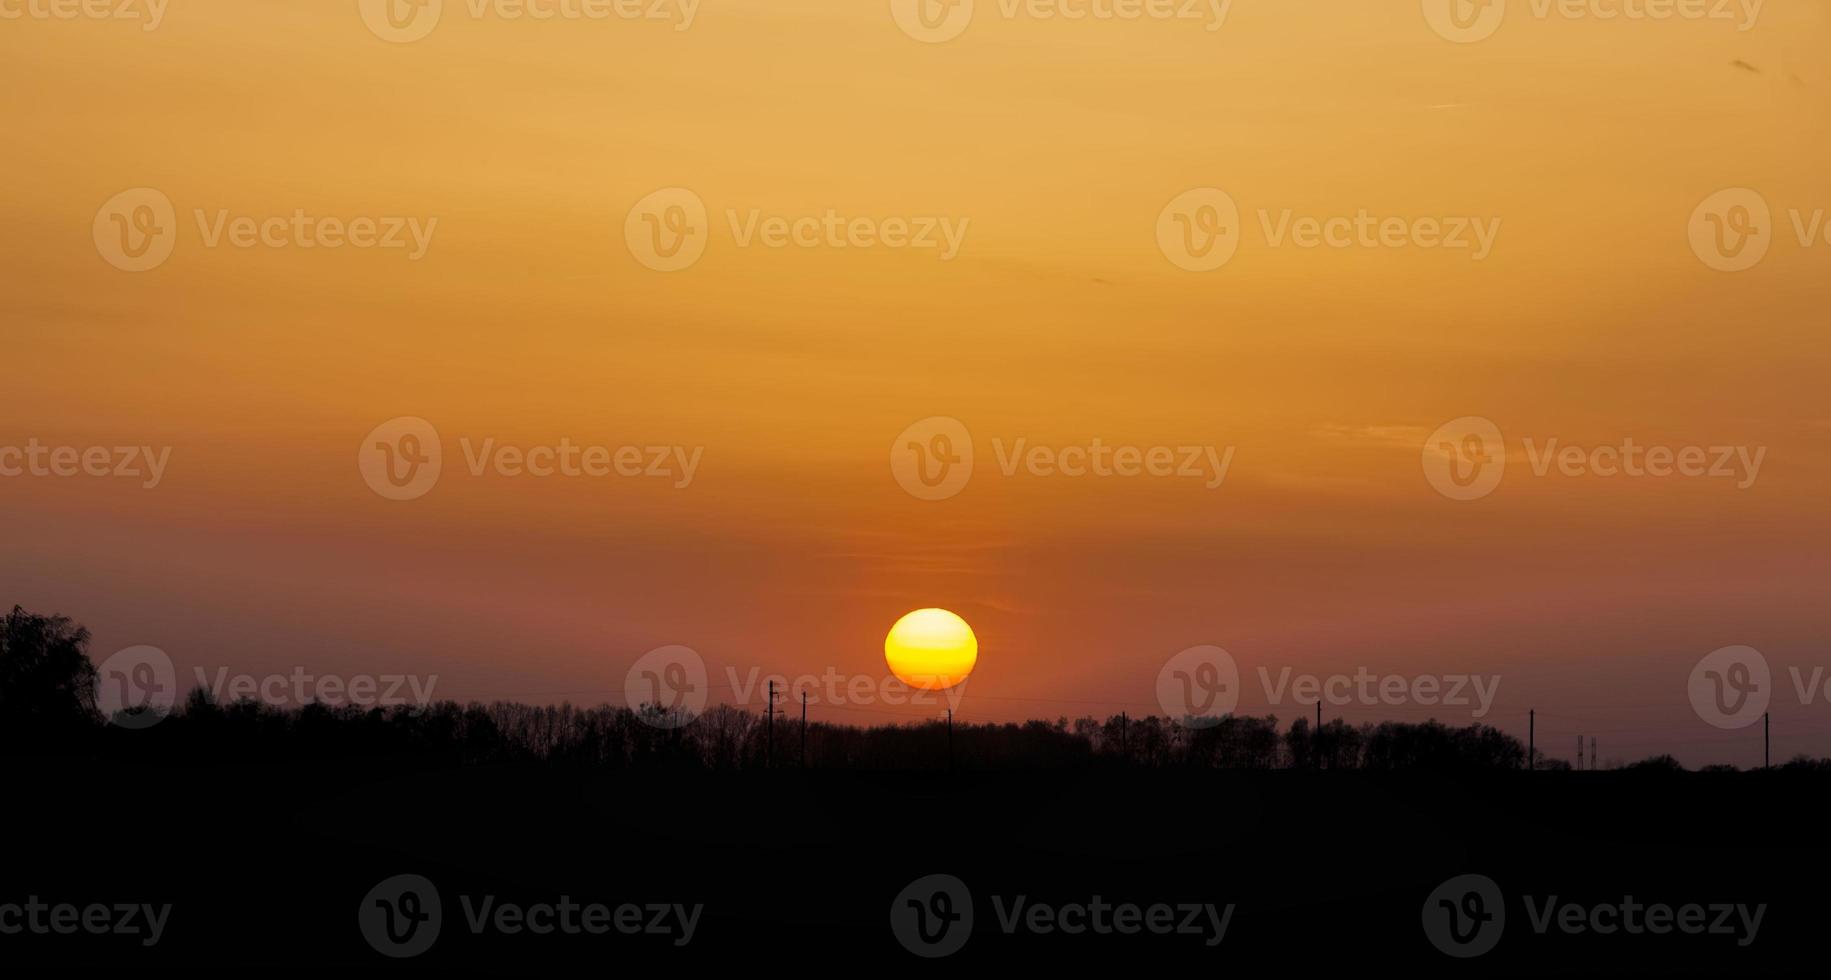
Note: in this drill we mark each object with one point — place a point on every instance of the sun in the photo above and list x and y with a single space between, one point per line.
931 650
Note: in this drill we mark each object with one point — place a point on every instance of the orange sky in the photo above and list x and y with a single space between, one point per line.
1059 321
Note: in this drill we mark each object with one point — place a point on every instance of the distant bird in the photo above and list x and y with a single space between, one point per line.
1745 66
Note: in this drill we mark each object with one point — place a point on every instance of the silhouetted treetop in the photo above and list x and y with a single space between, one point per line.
47 683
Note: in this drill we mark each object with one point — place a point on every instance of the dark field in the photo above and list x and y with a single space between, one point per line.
798 871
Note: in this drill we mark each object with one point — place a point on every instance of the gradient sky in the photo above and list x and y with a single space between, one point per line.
1060 321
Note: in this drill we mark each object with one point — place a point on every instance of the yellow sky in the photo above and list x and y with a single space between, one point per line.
1056 143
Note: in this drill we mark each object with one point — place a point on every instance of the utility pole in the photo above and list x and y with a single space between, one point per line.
1532 729
950 739
1579 753
1122 750
1766 744
769 728
1316 739
1593 758
804 729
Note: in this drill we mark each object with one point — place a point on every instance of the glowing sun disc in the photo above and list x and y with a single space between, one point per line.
931 650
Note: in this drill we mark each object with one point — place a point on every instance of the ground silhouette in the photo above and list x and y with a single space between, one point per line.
263 830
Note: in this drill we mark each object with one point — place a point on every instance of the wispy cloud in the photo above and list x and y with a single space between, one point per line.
1389 436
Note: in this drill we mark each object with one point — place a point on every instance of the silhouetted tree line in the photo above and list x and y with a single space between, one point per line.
48 706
